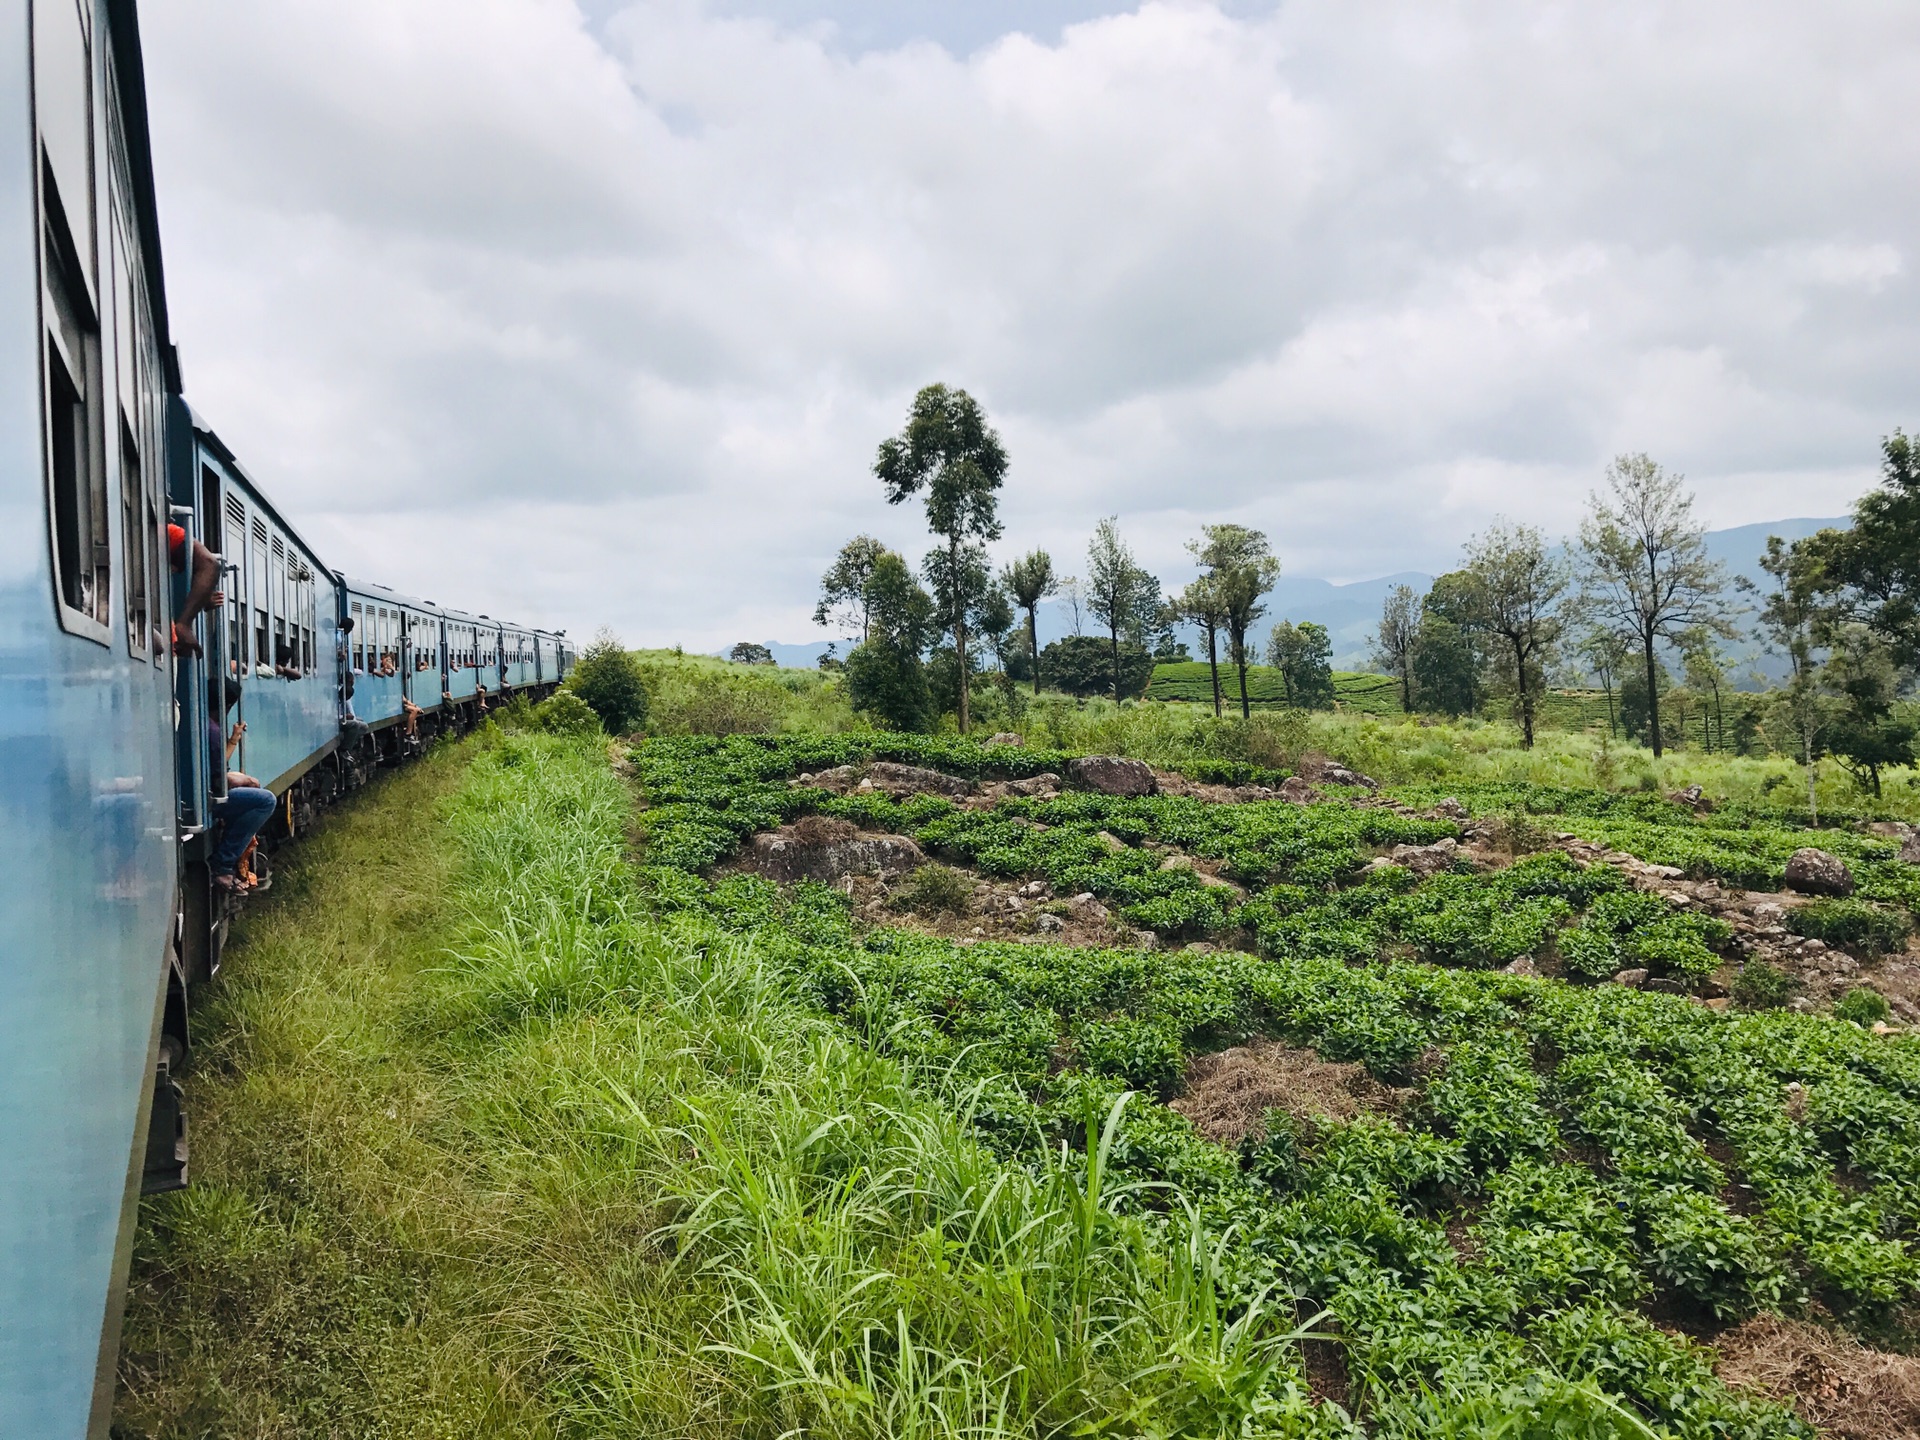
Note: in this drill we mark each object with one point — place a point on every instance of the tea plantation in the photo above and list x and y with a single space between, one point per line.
1571 1179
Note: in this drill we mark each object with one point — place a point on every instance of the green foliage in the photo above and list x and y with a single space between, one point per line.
1509 1078
565 713
1083 665
1303 656
608 679
934 890
1862 1006
1760 986
1859 926
888 684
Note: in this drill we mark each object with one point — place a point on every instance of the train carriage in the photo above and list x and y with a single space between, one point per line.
88 823
112 775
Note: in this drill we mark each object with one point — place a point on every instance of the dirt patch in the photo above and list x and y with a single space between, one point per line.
1021 912
1846 1389
1228 1094
1325 1361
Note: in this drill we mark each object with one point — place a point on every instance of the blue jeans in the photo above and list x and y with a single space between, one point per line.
243 812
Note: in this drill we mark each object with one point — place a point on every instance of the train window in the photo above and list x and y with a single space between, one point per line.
75 442
359 636
260 588
134 516
235 579
282 643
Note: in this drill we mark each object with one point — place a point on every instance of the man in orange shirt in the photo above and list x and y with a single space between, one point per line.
202 587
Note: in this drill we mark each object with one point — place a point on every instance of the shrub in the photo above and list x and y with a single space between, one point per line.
607 678
887 683
1760 986
1863 1006
1856 925
565 713
934 890
1083 665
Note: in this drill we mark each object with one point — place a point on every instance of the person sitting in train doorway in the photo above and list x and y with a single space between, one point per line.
203 588
410 713
248 804
352 727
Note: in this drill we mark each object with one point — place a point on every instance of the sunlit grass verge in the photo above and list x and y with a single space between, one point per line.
483 1148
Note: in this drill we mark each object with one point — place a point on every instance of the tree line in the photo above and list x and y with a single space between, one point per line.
920 634
1638 586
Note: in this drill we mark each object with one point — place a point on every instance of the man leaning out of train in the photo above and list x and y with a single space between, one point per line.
248 804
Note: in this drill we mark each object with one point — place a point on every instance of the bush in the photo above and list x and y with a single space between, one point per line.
607 678
887 683
1856 925
934 890
565 713
1760 986
1863 1006
1083 665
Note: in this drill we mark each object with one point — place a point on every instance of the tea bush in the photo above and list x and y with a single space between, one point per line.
1856 925
1563 1131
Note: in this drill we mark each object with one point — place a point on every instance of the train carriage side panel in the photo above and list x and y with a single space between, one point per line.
277 629
463 655
87 804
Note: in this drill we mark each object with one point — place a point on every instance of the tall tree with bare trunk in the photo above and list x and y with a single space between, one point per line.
1646 574
949 450
1029 580
1399 633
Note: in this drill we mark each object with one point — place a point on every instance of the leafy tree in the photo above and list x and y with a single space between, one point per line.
1788 616
1168 647
1029 580
1200 605
607 677
1446 666
888 685
1120 595
1873 569
843 588
1647 576
1083 665
948 449
1706 672
1394 641
1303 654
1865 737
885 678
748 653
1242 568
1513 596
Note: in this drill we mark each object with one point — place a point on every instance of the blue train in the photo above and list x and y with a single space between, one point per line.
112 786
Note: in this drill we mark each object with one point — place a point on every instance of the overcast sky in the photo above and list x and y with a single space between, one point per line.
595 313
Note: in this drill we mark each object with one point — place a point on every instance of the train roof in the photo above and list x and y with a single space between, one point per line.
211 438
123 30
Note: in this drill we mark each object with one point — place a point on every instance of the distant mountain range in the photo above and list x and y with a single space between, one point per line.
1352 611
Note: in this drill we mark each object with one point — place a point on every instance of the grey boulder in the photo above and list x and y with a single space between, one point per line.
1112 775
1815 872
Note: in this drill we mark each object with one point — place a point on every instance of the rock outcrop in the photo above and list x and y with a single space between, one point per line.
1815 872
1425 860
1112 775
827 850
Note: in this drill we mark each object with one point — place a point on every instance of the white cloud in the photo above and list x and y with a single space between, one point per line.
570 319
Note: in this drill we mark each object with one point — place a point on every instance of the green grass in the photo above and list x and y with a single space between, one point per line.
485 1149
1190 681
